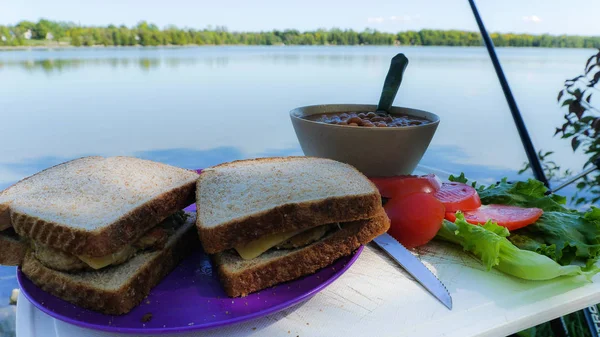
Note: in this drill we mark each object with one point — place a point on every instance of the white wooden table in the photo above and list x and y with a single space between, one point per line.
375 297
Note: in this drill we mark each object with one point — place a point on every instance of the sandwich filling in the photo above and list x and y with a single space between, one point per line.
10 232
287 240
154 239
5 222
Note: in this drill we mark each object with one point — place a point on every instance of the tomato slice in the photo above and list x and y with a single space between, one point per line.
511 217
458 197
398 186
415 218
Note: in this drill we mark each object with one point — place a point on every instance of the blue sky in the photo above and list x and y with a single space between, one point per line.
521 16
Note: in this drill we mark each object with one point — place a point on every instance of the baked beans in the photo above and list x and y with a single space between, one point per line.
368 119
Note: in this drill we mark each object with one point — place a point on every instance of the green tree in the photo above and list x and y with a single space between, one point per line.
149 34
41 29
5 37
76 39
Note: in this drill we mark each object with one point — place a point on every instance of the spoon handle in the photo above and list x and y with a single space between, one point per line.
392 82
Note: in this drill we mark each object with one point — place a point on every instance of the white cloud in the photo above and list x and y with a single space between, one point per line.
404 18
377 19
532 18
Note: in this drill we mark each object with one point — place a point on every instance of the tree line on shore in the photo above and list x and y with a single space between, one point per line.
146 34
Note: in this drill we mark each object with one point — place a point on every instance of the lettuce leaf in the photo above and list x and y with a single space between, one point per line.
563 237
530 193
489 243
561 234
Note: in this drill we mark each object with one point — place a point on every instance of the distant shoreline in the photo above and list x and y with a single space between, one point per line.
52 34
57 46
63 46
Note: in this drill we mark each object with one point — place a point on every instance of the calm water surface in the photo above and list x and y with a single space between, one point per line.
195 107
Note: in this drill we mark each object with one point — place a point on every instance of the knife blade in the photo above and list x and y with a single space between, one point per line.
414 267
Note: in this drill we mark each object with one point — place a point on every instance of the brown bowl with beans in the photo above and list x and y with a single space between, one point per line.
377 144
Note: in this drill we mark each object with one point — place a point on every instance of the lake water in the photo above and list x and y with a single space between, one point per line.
195 107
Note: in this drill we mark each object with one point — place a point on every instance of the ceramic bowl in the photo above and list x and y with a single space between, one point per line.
375 151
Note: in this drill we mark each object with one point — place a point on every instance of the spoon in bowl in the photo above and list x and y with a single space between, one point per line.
392 83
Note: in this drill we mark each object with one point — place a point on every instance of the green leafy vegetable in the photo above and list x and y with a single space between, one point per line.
562 236
531 193
489 243
462 179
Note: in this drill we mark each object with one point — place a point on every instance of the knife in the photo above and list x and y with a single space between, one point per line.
414 267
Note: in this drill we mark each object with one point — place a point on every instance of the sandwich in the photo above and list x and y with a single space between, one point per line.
99 232
272 220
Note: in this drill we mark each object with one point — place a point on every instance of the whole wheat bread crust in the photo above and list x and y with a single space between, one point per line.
304 261
110 238
287 217
109 302
13 250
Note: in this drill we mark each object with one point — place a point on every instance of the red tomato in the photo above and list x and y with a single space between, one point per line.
511 217
415 219
458 197
399 186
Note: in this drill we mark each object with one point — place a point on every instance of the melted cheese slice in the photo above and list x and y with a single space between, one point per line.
259 246
107 260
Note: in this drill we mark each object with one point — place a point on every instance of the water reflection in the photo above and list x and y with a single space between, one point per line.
193 159
185 158
438 159
120 101
453 160
61 65
148 64
443 157
151 59
145 63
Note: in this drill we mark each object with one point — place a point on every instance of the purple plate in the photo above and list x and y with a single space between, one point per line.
189 298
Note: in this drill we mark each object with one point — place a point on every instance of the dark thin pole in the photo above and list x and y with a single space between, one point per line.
512 104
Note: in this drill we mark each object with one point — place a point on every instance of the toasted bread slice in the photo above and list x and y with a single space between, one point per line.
93 205
115 290
241 277
244 200
13 248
